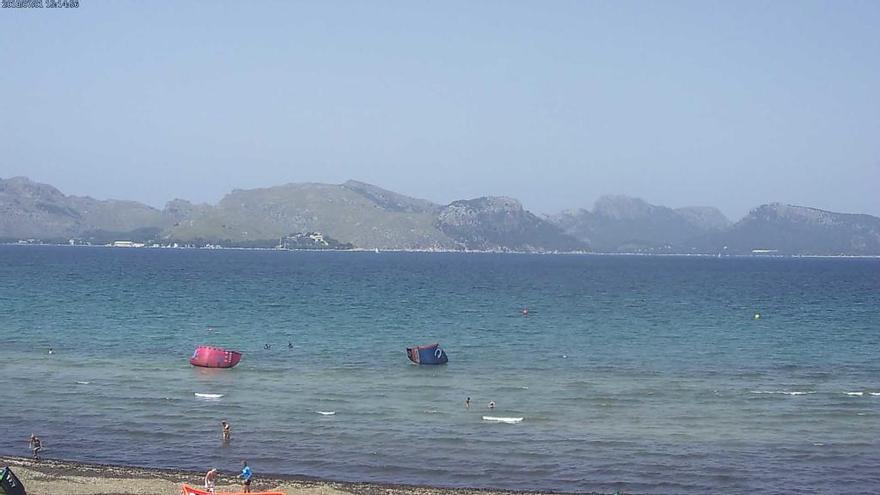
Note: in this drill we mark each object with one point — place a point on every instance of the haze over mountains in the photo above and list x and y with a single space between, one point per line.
369 217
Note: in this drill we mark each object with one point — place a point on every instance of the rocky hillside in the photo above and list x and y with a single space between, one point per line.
33 210
371 217
624 224
391 201
366 216
706 218
790 229
499 223
377 219
355 213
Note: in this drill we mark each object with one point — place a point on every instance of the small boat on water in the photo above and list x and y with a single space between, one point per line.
9 484
427 354
188 490
208 356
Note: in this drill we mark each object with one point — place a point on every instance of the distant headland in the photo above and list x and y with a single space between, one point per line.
356 215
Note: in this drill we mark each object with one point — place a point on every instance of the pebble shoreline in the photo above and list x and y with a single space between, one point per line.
51 477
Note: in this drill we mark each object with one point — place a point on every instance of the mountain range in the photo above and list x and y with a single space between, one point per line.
369 217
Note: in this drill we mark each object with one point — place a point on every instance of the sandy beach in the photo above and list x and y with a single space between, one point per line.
50 477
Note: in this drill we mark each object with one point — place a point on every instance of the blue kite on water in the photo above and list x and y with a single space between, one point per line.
427 354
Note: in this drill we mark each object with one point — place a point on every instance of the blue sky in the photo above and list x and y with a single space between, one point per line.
555 103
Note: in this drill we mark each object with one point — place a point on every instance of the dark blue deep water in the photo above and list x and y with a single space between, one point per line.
644 374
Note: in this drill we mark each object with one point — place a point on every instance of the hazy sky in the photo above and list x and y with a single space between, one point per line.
555 103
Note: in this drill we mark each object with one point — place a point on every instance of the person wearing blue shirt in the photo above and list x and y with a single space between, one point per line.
246 475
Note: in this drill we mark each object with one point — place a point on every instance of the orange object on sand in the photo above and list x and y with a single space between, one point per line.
188 490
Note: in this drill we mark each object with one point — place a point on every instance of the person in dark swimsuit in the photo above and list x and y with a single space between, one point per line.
227 431
36 446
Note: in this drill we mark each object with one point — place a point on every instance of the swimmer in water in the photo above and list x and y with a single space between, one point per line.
51 351
267 346
491 404
289 344
467 403
525 312
227 431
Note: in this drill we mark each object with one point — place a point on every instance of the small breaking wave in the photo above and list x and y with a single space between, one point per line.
784 392
498 419
82 382
326 413
855 394
207 396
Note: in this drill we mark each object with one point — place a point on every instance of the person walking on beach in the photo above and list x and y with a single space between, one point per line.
246 475
211 481
36 446
227 431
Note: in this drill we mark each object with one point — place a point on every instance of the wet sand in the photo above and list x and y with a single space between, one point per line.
49 477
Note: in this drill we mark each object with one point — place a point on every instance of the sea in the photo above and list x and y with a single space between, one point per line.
644 374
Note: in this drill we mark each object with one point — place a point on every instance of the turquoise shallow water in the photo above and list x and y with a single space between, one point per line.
646 374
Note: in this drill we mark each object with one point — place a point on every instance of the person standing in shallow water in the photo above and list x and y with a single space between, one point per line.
227 431
36 446
467 403
246 475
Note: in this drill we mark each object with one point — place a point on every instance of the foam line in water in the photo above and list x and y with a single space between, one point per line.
82 383
326 413
855 394
784 392
208 396
498 419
